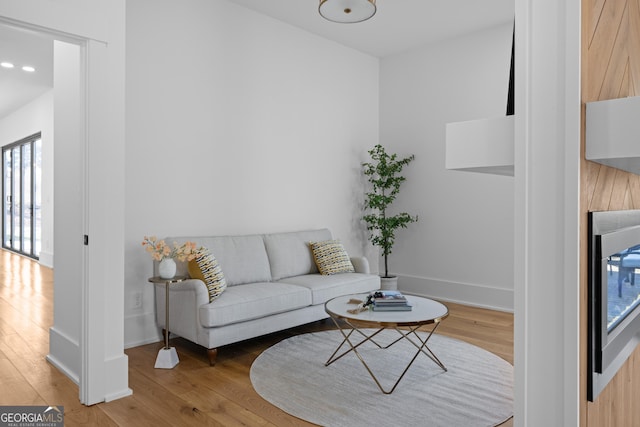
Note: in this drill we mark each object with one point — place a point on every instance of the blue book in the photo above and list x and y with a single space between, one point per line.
392 307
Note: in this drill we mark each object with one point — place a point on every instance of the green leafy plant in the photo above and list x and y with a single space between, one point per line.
384 175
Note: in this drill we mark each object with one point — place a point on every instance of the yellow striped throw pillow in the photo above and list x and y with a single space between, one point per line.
206 268
331 257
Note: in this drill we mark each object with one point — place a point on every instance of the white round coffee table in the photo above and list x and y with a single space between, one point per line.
351 323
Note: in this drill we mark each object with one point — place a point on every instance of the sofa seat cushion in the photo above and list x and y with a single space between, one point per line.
323 288
253 301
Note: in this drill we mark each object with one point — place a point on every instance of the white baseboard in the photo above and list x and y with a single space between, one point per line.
46 259
117 385
64 354
463 293
62 368
141 329
124 393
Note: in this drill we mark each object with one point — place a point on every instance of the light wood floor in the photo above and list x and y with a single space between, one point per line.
191 394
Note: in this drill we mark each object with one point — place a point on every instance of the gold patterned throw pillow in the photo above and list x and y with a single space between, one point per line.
206 268
331 257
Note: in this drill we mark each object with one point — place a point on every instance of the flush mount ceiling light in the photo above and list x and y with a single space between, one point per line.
347 11
27 68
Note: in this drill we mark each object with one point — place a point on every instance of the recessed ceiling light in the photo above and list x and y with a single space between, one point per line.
6 64
28 69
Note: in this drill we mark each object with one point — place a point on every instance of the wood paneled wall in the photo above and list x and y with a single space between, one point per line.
610 69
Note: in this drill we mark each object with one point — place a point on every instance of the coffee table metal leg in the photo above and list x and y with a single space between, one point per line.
422 348
346 338
429 353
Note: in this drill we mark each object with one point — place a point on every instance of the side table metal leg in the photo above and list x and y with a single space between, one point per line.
166 316
167 356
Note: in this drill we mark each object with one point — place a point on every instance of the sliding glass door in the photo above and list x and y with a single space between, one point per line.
21 195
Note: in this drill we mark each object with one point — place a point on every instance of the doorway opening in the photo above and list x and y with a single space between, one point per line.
22 196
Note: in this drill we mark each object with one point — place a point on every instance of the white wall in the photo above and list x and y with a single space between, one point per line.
461 249
37 116
238 123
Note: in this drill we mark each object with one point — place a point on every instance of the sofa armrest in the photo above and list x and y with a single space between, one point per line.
185 299
360 264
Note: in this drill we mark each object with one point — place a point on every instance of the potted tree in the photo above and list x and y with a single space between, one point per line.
384 175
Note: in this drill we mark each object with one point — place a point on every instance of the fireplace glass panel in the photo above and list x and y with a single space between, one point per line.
623 285
614 294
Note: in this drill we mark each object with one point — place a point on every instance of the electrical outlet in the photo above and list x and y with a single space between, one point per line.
137 300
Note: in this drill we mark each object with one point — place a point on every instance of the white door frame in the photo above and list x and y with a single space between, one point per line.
547 213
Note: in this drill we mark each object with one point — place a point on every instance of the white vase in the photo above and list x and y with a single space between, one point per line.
167 268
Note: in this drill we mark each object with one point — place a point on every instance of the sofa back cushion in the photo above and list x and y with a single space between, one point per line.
242 259
290 254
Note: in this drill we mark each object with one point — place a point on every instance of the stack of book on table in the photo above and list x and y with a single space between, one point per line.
387 300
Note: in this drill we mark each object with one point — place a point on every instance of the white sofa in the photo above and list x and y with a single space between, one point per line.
272 284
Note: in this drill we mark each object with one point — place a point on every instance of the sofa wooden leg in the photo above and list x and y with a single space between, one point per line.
213 355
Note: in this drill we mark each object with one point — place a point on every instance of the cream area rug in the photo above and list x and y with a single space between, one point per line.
476 389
